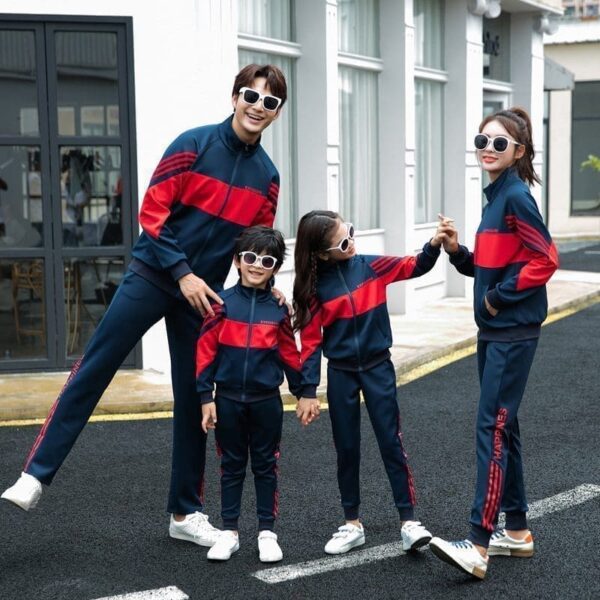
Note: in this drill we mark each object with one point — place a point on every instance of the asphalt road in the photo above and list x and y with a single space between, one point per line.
101 528
584 258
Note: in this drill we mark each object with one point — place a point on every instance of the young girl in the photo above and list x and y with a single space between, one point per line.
514 258
340 307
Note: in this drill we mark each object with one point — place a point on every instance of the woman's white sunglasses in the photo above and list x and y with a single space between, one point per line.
500 143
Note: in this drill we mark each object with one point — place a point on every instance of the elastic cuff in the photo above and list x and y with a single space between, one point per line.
230 524
351 513
407 514
515 521
480 536
458 257
206 397
266 525
309 391
178 270
493 297
432 251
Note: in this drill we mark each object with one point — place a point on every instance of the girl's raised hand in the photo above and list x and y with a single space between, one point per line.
447 234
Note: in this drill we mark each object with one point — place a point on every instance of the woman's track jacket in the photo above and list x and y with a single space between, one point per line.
207 188
514 257
246 347
349 320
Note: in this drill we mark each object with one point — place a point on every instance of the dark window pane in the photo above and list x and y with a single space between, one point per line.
21 213
90 284
88 95
496 48
18 83
91 190
586 100
586 181
23 332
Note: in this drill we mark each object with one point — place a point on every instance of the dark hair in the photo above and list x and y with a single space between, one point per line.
313 238
261 239
518 124
274 76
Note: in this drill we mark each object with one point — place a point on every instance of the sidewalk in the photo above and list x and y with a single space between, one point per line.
437 330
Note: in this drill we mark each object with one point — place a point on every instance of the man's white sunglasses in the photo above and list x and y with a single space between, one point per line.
250 96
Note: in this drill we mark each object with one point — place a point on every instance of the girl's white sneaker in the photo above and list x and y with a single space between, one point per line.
268 549
25 493
227 543
414 535
347 536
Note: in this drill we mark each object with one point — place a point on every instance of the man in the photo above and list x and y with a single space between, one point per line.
211 183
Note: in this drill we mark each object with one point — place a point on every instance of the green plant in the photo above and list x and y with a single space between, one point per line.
592 162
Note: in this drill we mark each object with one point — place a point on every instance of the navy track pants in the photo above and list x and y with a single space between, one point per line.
254 427
503 371
136 306
378 386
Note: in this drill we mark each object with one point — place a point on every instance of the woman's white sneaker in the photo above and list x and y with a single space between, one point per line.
268 549
461 554
194 528
25 493
502 544
227 543
347 536
414 535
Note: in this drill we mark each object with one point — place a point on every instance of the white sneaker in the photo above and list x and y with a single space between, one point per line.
461 554
502 544
347 536
414 535
194 528
227 543
25 493
268 548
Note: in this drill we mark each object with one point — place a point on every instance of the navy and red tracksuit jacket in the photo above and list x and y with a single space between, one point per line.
513 260
246 348
349 319
207 188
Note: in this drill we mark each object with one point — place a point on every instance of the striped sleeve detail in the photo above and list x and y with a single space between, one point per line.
172 165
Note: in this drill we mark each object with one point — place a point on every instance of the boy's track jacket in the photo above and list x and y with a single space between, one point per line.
514 257
246 347
349 320
207 188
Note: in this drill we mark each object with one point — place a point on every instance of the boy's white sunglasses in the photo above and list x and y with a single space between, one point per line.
252 259
250 96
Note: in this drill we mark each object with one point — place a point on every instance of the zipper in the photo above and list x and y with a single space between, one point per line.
248 338
339 272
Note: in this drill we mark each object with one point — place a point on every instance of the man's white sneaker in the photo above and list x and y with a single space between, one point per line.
414 535
461 554
227 543
347 536
25 493
268 548
502 544
194 528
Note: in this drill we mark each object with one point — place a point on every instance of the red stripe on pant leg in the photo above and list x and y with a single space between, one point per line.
412 496
276 494
42 433
489 493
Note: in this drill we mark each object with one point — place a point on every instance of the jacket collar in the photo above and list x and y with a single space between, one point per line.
248 292
493 189
232 141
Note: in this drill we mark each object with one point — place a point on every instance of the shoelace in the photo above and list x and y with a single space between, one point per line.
201 521
464 544
499 533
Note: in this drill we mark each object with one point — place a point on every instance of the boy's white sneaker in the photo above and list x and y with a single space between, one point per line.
194 528
502 544
268 549
414 535
461 554
25 493
227 543
347 536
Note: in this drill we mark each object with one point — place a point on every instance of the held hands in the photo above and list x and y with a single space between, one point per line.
446 234
307 410
198 294
209 416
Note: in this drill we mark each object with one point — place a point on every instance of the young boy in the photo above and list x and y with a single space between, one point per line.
245 349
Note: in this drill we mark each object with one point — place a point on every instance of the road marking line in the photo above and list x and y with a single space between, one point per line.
166 593
538 509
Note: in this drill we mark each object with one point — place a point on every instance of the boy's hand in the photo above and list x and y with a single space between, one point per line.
279 296
446 234
209 416
198 293
307 410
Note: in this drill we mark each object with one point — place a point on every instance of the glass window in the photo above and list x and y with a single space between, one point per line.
87 82
359 147
18 83
496 48
358 27
429 33
585 173
266 18
429 145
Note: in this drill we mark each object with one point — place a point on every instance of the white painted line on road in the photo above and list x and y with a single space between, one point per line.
538 509
166 593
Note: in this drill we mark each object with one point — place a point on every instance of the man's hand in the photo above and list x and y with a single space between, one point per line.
209 416
307 410
198 294
279 296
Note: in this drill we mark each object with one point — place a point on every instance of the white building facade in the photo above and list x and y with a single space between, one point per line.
385 97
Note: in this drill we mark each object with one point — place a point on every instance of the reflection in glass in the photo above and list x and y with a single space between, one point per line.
496 48
358 27
90 284
266 18
21 212
91 190
22 309
88 93
18 84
